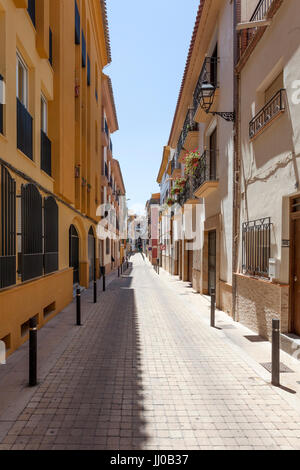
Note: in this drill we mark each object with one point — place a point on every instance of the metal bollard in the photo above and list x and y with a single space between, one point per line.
95 286
276 352
158 266
212 307
103 278
32 352
127 265
118 271
78 307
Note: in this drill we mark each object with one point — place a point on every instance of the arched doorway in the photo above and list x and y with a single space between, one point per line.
91 253
74 253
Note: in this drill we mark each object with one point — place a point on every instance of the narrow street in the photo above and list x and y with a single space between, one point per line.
143 372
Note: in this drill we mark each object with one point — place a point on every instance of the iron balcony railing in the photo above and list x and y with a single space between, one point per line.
45 153
274 107
206 171
209 74
189 125
24 130
1 106
256 247
260 13
261 10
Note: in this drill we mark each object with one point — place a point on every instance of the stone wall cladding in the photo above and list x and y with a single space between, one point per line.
259 301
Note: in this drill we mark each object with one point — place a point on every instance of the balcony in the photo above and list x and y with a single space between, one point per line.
209 74
24 130
205 177
175 168
260 13
274 108
189 135
45 153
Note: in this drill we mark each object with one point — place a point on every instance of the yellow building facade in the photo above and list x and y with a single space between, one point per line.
56 113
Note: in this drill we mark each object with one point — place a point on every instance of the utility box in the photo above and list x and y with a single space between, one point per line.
273 268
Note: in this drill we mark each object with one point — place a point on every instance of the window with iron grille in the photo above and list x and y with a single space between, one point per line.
88 71
50 48
31 256
8 230
256 241
83 46
50 235
31 10
77 25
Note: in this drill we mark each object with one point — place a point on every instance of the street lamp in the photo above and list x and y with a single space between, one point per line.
206 99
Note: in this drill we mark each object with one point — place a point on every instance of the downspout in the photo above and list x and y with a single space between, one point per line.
236 160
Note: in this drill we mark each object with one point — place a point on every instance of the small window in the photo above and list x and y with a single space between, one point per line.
44 114
275 86
22 81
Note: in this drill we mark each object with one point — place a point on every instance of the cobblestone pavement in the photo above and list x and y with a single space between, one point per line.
145 372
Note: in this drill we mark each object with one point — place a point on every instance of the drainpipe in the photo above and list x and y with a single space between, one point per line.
236 161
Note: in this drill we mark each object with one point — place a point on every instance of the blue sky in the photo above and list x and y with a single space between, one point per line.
150 42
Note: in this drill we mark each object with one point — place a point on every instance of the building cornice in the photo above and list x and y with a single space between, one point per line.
164 163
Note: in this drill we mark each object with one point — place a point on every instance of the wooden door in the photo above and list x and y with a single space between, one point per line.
296 278
212 260
190 261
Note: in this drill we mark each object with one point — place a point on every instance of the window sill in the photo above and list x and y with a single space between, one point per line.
26 157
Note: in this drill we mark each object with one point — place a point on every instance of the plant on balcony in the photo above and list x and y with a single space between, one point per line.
179 185
83 182
89 187
170 201
191 162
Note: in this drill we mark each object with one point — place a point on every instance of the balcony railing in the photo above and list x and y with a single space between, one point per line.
45 153
206 171
273 108
24 130
260 13
261 10
105 127
209 74
189 125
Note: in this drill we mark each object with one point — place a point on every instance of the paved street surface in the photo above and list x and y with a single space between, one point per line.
143 372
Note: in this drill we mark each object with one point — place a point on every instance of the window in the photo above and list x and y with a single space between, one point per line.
50 235
275 86
8 230
31 10
77 25
256 243
1 103
83 50
88 71
44 114
50 48
22 81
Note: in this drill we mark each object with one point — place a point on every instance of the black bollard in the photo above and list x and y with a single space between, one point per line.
78 307
276 353
95 286
32 352
158 266
103 278
212 307
118 271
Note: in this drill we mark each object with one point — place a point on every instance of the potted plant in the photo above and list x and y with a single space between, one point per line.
170 201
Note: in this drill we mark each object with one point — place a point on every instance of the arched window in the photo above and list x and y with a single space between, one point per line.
31 260
8 230
50 235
